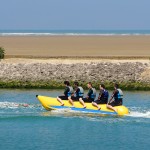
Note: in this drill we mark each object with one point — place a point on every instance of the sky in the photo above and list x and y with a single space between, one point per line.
75 14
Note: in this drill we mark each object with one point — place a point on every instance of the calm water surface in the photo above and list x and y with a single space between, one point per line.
35 128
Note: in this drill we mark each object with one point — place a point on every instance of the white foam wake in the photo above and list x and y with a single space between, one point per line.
8 105
140 114
13 105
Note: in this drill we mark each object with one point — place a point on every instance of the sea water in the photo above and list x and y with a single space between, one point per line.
33 127
73 32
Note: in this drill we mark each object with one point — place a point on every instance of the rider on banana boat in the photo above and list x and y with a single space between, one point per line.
79 92
116 98
67 93
90 96
102 98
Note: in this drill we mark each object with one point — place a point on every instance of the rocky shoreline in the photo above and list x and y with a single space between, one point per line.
51 73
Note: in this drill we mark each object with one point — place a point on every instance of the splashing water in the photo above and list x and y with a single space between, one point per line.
140 114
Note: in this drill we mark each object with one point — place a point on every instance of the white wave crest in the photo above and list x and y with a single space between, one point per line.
72 34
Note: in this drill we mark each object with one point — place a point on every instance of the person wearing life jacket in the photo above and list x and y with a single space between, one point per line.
102 98
67 93
90 96
116 98
78 93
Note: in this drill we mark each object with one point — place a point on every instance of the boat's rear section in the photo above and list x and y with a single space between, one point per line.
50 103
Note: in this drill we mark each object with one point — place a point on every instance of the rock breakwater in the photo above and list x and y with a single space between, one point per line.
47 72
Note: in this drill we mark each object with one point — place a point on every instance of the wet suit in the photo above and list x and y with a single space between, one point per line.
117 99
103 97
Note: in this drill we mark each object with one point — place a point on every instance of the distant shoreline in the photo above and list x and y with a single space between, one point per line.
74 32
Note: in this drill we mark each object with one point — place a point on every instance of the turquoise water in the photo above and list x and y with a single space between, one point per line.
35 128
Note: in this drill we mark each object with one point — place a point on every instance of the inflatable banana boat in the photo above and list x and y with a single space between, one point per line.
50 103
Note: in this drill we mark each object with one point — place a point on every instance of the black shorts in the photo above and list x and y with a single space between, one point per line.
63 97
88 100
114 103
101 101
75 98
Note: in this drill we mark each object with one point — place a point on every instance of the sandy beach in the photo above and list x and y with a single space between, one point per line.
80 46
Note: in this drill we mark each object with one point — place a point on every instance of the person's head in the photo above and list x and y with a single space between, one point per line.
66 83
76 84
102 86
116 86
89 85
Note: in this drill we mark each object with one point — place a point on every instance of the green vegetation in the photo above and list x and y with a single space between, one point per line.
2 52
59 85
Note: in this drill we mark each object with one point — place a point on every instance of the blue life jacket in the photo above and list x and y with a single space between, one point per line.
81 92
93 95
70 92
119 95
106 94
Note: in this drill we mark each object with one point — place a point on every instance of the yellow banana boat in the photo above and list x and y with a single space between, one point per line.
51 103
